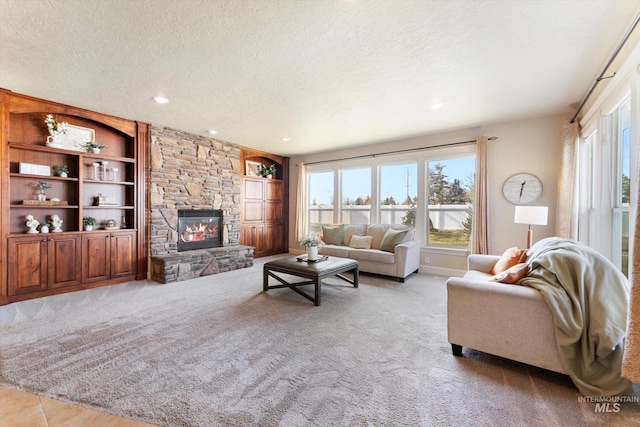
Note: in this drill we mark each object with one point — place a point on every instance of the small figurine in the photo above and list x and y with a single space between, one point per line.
57 223
32 224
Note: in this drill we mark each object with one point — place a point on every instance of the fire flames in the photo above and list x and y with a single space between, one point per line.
199 233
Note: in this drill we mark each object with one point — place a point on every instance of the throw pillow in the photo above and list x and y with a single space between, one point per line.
361 242
509 258
391 239
513 274
333 235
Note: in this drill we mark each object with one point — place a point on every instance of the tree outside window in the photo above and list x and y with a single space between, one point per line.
450 202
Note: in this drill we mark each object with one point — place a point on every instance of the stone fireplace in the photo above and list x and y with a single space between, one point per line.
191 175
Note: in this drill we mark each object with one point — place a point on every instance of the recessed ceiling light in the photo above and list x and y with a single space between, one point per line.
437 105
212 132
160 99
285 139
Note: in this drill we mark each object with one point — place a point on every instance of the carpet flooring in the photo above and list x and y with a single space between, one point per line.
218 351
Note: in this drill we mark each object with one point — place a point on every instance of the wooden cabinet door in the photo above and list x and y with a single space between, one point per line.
253 235
253 200
123 254
96 254
263 215
27 267
273 239
274 192
63 253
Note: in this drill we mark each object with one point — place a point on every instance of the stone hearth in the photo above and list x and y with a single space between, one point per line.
193 172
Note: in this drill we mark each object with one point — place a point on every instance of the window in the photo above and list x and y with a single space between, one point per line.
355 194
450 189
430 190
621 168
605 194
320 200
398 193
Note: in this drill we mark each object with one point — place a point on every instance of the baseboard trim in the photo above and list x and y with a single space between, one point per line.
440 271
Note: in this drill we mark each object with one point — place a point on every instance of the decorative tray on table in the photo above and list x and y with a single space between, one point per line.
303 258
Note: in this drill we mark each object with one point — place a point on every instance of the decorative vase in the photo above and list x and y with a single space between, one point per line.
312 253
52 141
42 197
269 176
63 174
95 150
44 229
88 227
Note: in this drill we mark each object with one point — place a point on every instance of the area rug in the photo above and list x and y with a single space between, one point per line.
218 351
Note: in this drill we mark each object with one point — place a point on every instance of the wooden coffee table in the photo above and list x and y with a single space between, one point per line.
313 271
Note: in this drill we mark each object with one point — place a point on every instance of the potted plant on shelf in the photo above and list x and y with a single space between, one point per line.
267 171
62 171
94 147
89 222
45 226
312 242
41 186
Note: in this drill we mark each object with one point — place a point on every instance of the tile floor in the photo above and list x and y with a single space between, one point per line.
20 409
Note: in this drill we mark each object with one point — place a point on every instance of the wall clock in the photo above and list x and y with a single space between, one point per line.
522 189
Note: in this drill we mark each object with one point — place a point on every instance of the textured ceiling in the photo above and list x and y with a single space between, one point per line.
326 74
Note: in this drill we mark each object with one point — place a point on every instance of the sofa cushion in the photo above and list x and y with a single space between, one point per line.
411 235
333 235
512 274
351 230
391 239
509 258
372 255
377 232
361 242
334 250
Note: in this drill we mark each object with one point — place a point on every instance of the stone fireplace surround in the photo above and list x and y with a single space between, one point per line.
193 171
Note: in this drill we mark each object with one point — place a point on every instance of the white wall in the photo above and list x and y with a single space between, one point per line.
531 145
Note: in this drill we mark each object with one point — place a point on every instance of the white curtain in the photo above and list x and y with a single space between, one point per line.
301 203
567 197
479 243
631 360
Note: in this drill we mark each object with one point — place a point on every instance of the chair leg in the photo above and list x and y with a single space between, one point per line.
456 349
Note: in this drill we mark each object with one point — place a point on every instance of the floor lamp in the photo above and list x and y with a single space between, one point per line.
531 215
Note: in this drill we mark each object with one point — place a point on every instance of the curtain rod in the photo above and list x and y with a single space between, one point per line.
493 138
604 70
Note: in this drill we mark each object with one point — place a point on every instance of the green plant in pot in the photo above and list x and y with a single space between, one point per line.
89 223
267 171
45 226
41 186
62 171
94 146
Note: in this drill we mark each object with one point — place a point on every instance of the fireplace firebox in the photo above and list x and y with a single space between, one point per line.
199 229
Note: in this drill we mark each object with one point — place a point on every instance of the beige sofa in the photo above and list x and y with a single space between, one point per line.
398 264
509 321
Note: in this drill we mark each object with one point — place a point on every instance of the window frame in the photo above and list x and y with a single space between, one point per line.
421 158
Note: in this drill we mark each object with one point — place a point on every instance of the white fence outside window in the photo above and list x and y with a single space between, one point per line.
443 217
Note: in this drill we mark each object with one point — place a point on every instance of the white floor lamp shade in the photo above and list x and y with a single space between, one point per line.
531 215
